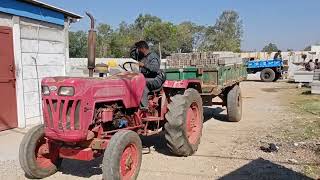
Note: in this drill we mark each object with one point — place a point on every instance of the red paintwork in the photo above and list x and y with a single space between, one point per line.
87 139
78 154
126 87
46 154
193 120
129 162
183 84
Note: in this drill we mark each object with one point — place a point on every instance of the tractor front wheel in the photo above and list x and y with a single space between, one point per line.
183 129
38 157
123 156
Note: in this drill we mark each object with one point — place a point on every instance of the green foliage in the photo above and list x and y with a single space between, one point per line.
226 34
143 21
78 44
122 40
170 38
104 35
163 33
270 48
185 36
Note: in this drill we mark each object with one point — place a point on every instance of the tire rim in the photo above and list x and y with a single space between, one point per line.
267 75
193 120
129 162
44 157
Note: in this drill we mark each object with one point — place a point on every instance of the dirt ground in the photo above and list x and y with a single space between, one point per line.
227 151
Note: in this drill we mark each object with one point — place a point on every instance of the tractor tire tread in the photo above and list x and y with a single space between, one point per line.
234 111
112 154
26 155
175 134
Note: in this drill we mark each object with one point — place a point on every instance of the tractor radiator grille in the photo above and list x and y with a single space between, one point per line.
62 114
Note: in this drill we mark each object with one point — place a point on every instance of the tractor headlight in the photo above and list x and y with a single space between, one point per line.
66 91
45 90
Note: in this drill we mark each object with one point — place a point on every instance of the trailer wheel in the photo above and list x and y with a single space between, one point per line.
183 129
234 104
38 158
123 156
277 77
267 75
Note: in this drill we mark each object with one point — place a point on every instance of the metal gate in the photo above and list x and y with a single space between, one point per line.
8 103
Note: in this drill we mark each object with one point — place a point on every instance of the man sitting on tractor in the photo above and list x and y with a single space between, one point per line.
278 55
149 63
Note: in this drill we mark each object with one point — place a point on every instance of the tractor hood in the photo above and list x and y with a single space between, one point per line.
127 87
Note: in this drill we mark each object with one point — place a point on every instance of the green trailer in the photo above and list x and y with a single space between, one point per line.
212 81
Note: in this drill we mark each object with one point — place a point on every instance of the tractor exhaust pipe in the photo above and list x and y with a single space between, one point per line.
91 46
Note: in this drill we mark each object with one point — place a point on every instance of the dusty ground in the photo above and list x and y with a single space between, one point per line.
227 150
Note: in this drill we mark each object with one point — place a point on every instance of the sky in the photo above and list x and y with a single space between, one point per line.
290 24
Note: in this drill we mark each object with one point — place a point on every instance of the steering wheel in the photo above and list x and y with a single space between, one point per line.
124 66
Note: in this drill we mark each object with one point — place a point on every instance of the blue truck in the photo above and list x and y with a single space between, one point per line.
271 70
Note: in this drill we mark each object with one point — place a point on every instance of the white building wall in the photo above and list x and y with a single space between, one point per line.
316 49
40 50
77 67
6 20
43 52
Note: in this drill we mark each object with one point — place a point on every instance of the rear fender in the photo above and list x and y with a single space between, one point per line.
178 87
183 84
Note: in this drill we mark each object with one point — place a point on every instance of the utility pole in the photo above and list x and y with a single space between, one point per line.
160 53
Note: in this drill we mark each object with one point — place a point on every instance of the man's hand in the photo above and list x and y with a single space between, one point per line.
141 64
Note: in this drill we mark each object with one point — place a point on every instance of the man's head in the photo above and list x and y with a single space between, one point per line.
316 61
142 47
279 51
311 60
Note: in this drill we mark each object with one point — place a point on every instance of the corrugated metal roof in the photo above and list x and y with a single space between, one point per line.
44 5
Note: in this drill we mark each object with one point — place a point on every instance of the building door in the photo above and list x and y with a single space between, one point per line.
8 103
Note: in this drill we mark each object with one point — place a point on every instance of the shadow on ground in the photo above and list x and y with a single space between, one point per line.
85 169
306 92
215 113
159 141
261 169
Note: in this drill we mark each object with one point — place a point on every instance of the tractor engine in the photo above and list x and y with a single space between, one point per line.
112 117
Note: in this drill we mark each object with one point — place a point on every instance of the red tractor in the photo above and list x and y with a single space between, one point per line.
85 118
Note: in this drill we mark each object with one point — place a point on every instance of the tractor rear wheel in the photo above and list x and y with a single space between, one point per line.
267 75
38 157
234 104
123 156
183 129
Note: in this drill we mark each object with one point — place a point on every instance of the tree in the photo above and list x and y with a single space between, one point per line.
199 37
144 21
270 48
162 36
122 40
308 48
104 34
78 44
185 36
226 34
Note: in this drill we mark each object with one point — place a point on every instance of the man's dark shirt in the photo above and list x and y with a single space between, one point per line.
277 56
151 65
